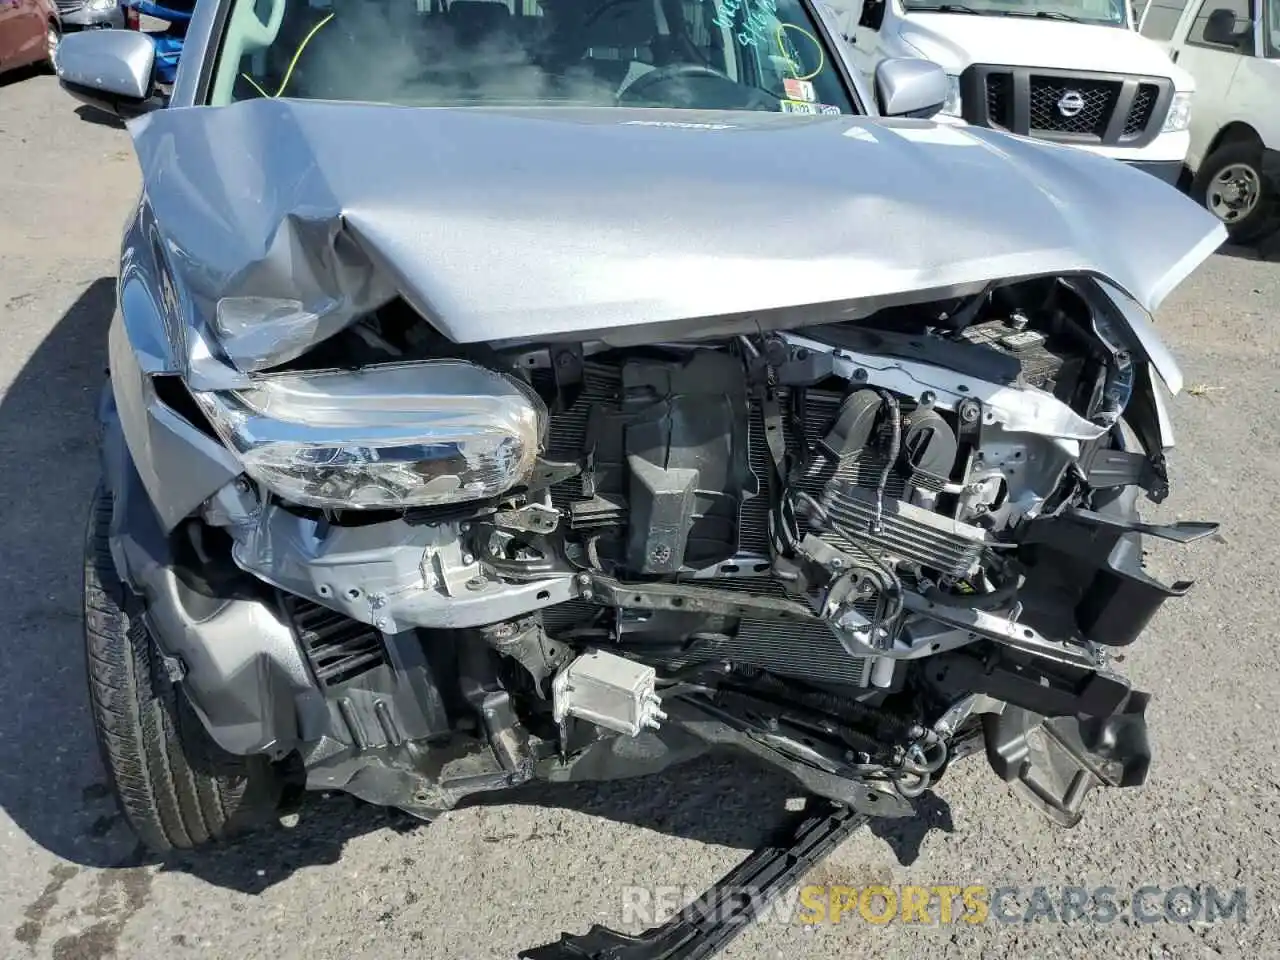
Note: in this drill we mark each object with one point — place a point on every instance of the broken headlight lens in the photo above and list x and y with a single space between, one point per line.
259 332
386 437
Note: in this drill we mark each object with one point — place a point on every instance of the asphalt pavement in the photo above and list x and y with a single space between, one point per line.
341 880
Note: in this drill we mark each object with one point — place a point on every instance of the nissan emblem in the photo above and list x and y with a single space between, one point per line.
1071 103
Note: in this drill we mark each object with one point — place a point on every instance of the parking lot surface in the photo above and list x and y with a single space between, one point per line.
344 881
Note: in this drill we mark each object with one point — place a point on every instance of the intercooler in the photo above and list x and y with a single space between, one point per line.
806 650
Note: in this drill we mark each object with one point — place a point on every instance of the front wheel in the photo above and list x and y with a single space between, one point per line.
1232 185
175 786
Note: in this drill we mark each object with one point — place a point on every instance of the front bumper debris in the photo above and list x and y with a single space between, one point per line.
705 927
1054 763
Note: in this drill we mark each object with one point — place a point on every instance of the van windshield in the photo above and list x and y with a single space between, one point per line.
696 54
1106 12
1272 38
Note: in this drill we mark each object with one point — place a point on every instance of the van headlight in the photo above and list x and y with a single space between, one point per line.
385 437
951 106
1179 116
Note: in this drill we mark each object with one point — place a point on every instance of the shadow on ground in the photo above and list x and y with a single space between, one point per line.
1266 250
51 780
100 117
19 74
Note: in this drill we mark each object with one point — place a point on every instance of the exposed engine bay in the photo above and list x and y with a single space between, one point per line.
569 443
858 552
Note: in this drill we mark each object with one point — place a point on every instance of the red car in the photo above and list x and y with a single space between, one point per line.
29 33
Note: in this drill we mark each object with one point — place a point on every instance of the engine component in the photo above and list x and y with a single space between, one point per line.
855 421
524 641
531 518
802 649
609 691
929 445
903 531
666 449
1040 367
799 648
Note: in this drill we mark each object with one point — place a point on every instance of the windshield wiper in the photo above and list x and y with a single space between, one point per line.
948 8
961 8
1043 15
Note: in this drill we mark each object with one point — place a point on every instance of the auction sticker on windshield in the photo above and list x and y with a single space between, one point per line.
798 106
799 89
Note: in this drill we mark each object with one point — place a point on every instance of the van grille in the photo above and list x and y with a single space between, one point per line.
1073 107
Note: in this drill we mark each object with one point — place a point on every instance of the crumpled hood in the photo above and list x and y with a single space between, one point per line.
958 40
508 223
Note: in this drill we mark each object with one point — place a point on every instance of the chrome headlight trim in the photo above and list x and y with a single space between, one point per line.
390 436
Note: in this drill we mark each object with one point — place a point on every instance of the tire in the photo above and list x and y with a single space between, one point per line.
175 786
1243 158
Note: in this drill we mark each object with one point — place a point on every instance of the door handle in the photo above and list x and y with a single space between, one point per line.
1174 56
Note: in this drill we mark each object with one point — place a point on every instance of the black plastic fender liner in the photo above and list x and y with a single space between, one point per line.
238 663
139 543
1054 763
1121 597
705 927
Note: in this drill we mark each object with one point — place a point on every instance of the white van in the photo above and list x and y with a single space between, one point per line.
1072 71
1232 48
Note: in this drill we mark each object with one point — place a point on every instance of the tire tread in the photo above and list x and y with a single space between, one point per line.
175 787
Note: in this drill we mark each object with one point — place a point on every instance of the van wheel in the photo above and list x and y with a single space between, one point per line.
175 786
1232 186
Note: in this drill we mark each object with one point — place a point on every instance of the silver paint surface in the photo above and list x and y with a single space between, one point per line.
113 61
626 224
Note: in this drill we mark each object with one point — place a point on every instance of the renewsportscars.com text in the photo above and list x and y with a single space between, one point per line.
951 903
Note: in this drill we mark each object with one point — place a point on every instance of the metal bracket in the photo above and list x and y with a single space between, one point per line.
1103 467
531 518
688 599
547 473
1004 630
1184 531
175 668
567 367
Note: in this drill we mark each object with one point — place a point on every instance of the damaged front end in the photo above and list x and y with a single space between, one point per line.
416 549
853 551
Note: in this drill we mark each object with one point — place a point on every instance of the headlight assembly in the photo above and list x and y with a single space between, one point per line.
951 106
1179 116
400 435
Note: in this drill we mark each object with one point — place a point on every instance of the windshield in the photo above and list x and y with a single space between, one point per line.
1271 44
694 54
1108 12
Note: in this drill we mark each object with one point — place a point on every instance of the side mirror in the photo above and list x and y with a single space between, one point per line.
910 88
1220 28
112 70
